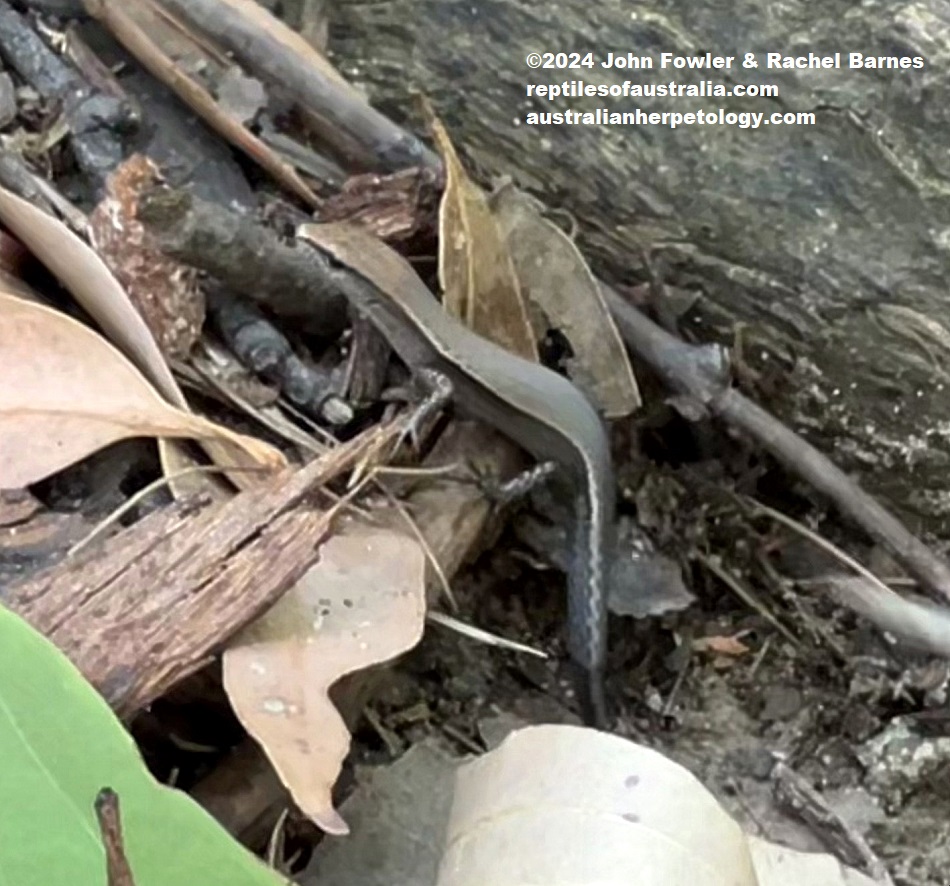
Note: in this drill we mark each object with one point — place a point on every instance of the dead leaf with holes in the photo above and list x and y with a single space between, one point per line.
476 273
573 806
553 804
562 293
362 604
67 393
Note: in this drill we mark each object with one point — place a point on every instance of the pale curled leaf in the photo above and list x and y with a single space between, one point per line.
92 284
557 283
573 806
67 393
362 604
476 273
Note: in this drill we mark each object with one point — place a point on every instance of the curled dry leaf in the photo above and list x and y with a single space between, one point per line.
67 393
721 645
164 291
559 286
476 273
91 283
362 604
573 806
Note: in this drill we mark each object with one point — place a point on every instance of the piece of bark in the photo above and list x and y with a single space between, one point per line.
147 607
165 292
396 207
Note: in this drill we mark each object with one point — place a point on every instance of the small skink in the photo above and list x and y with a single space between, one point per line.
535 407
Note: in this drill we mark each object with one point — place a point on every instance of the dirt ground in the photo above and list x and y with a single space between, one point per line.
719 689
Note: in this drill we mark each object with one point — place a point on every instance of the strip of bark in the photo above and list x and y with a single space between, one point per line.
149 606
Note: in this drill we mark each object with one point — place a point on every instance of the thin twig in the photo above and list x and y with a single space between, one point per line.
747 597
925 625
818 540
419 536
701 374
440 618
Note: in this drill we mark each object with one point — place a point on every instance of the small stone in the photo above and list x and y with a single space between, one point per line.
7 100
781 703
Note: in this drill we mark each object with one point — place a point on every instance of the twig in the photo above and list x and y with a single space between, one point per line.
118 871
265 350
473 633
132 36
925 625
747 597
358 133
94 118
816 539
700 373
798 795
247 257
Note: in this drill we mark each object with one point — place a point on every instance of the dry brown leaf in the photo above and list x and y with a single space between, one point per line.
67 393
362 604
573 806
731 646
164 291
91 283
476 272
560 288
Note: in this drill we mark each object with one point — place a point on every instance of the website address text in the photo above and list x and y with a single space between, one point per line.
671 119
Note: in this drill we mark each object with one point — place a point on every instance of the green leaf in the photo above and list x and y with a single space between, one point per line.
60 744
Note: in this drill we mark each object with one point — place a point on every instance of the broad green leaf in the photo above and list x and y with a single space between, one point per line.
60 744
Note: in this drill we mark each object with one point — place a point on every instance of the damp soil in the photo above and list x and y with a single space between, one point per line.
728 687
